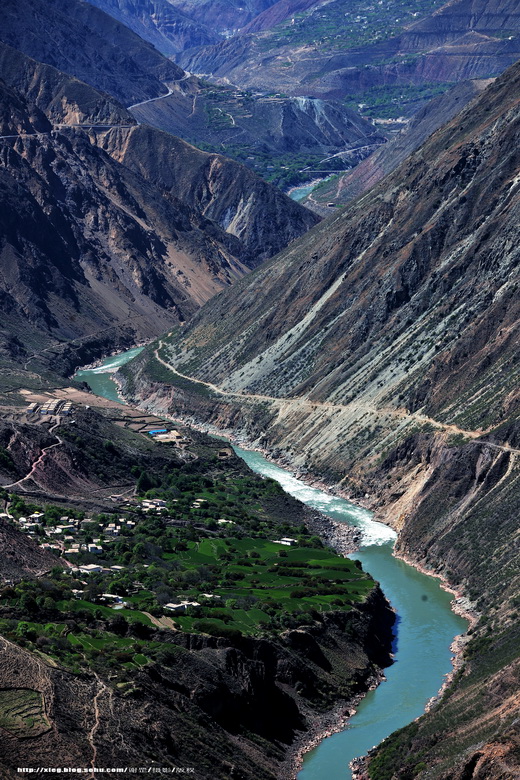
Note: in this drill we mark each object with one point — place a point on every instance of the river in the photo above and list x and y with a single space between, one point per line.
301 192
426 626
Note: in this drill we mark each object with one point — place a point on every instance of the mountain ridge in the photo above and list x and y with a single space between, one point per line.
163 254
87 44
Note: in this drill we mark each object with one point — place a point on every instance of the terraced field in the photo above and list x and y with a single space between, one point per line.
22 712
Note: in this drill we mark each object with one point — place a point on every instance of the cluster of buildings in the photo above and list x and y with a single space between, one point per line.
52 407
64 535
286 540
153 505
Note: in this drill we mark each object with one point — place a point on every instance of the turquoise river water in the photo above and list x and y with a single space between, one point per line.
425 626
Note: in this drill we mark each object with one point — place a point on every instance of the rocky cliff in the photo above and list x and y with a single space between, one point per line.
224 192
61 98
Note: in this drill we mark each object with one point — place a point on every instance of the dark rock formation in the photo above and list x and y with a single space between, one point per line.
88 44
160 23
61 98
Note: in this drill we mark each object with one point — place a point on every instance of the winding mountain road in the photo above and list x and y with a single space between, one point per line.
92 126
300 401
39 460
152 100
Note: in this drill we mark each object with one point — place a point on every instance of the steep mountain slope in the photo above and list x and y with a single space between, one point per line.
333 53
160 23
88 44
103 254
401 247
223 16
385 159
228 194
381 352
62 98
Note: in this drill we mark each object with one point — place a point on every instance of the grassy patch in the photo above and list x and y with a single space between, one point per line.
22 712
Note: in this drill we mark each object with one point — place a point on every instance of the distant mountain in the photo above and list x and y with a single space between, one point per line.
380 353
327 51
97 49
223 16
104 251
160 23
88 44
388 157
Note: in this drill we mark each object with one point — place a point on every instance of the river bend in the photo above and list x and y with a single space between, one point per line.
426 626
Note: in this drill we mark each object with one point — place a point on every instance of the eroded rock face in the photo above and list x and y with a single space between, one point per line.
104 250
160 23
225 193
